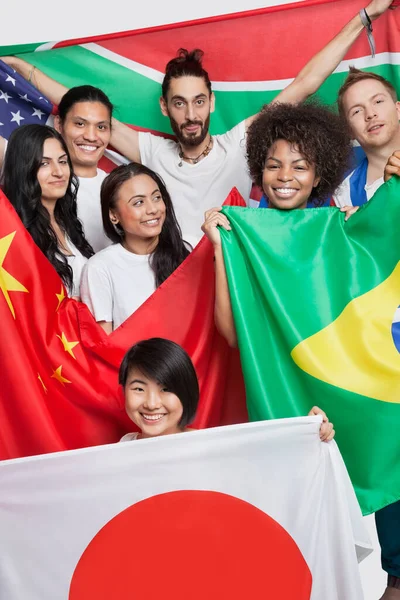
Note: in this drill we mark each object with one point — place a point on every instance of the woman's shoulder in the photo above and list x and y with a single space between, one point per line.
105 256
129 437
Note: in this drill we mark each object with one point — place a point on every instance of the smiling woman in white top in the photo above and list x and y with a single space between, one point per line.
139 218
40 184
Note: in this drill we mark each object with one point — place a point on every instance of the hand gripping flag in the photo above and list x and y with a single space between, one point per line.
59 384
315 302
260 510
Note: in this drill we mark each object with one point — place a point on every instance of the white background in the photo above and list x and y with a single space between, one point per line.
81 18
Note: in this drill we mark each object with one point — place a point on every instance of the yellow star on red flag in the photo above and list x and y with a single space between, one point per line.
68 346
57 375
8 283
60 297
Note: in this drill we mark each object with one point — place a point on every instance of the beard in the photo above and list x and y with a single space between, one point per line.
192 140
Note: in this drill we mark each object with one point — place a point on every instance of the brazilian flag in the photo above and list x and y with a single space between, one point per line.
316 306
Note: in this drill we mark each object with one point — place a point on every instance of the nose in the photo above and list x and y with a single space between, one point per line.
57 170
285 173
90 133
190 112
370 112
152 401
151 208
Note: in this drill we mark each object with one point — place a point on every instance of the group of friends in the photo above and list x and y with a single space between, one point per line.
113 239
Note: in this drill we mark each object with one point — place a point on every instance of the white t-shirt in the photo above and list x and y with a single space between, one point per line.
342 196
129 437
115 282
77 262
89 210
197 188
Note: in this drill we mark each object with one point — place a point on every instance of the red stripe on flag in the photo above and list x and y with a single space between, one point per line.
263 44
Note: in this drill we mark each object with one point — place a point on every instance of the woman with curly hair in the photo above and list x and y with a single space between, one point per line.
296 153
39 182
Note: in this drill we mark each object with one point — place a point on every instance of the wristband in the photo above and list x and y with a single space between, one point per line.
366 21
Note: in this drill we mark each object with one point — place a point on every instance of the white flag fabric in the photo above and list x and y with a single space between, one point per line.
260 510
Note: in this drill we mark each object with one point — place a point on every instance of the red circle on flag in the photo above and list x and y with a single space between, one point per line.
191 544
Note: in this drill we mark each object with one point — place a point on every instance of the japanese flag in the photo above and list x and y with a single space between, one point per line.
260 510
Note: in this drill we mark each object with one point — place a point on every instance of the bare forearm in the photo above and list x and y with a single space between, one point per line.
312 76
223 308
45 84
125 140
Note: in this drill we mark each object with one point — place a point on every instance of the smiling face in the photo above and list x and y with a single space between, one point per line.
372 114
154 409
288 178
139 209
86 130
188 106
54 172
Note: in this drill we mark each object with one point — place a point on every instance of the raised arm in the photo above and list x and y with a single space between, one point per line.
223 315
313 75
124 139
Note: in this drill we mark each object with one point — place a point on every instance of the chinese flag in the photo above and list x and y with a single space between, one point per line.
60 370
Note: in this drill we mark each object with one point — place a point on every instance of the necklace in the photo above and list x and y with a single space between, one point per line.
195 160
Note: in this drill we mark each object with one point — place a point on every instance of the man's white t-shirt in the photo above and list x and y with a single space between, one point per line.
115 282
89 210
342 196
197 188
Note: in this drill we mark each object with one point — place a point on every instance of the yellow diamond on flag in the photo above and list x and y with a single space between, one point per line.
356 352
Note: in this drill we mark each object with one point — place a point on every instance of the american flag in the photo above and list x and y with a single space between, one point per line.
20 102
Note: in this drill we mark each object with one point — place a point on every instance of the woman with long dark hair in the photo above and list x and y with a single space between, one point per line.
39 182
139 218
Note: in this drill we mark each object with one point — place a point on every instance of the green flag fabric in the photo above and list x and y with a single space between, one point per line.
315 302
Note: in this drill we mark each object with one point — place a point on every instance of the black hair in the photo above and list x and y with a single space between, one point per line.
171 249
21 186
183 65
82 93
167 363
320 135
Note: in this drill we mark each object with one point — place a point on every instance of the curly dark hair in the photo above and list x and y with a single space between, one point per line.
320 135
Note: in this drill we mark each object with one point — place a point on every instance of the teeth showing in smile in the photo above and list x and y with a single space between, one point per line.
151 222
152 417
87 148
375 127
285 190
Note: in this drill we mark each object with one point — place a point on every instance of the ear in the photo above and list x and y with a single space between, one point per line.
113 217
57 124
398 109
316 181
212 102
163 106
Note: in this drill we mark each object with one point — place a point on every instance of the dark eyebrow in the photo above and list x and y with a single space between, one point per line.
49 157
137 381
85 120
156 191
184 99
279 161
